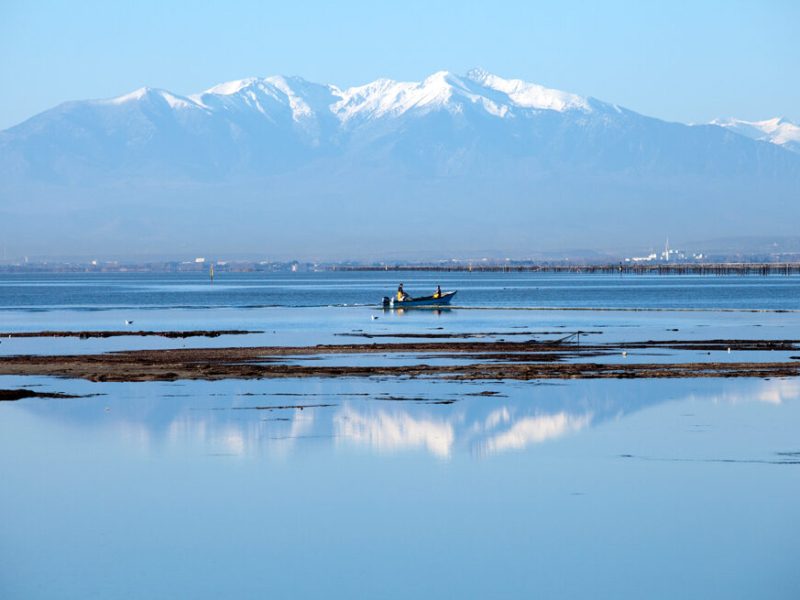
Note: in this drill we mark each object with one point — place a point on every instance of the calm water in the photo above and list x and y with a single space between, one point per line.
376 488
138 291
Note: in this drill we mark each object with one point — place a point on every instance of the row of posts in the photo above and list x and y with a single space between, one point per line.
621 268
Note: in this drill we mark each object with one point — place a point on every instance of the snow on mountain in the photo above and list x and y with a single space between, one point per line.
444 124
267 95
529 95
230 87
385 97
150 93
444 161
496 96
777 131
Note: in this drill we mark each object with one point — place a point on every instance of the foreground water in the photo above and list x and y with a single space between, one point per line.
397 488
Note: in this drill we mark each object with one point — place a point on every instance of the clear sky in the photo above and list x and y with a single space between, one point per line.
678 60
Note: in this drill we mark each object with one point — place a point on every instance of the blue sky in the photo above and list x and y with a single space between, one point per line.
684 61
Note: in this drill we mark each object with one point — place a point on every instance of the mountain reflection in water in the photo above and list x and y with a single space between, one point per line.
222 419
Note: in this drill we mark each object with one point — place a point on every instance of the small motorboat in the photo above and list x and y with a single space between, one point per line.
422 302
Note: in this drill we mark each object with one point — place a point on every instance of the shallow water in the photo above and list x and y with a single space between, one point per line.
400 487
122 291
623 488
325 325
315 308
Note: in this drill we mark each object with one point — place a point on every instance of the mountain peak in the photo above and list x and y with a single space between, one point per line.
152 94
386 97
229 88
137 94
529 95
777 130
445 77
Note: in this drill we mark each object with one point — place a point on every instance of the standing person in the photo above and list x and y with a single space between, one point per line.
438 293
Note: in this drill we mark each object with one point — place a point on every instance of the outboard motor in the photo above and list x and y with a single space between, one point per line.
386 302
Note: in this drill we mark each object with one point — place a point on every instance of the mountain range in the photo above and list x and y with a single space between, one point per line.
451 165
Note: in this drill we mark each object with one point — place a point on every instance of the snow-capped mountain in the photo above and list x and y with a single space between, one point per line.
289 156
381 98
445 124
779 131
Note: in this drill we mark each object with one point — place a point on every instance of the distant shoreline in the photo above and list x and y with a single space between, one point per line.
721 268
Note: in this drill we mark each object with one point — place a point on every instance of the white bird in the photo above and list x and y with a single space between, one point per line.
374 318
624 353
128 322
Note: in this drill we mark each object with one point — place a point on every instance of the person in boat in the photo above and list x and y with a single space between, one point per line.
438 293
401 294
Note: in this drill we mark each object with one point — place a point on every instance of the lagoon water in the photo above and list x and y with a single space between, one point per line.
397 488
138 291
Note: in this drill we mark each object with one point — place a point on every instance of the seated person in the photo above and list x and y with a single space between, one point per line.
438 293
401 295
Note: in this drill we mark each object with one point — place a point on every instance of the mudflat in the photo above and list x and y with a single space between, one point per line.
456 360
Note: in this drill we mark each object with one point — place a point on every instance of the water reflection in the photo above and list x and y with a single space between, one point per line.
224 419
775 391
497 432
399 431
535 430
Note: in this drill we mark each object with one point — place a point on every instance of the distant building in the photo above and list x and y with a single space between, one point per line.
670 254
666 255
649 258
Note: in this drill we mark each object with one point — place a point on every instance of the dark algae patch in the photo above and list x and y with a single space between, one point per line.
283 407
463 336
85 335
782 459
20 394
479 361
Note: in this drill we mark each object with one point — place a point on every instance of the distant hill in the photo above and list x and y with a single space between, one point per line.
452 164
